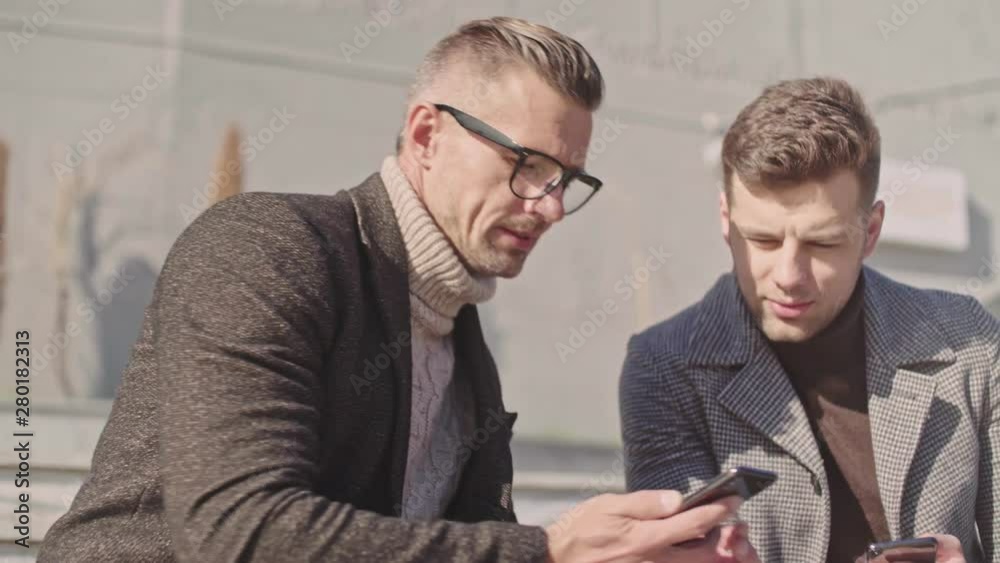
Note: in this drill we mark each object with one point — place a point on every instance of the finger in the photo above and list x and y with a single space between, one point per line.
734 543
945 542
729 538
701 550
644 505
732 504
948 547
691 524
705 543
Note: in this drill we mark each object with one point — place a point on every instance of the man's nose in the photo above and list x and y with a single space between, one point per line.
792 269
549 206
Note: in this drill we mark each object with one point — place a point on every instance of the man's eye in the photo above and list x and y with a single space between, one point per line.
764 242
530 166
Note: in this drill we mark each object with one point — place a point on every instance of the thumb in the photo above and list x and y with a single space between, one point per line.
646 505
949 549
731 540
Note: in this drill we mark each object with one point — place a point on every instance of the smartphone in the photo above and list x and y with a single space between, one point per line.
743 481
916 550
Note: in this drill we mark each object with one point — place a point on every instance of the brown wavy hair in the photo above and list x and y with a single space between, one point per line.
802 130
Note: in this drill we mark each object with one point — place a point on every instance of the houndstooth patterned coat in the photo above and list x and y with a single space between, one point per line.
703 391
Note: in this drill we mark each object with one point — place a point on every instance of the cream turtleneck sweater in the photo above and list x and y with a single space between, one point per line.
441 414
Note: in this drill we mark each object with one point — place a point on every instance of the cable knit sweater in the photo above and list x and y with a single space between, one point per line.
441 410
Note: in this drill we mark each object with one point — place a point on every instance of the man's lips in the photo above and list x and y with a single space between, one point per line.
523 240
789 309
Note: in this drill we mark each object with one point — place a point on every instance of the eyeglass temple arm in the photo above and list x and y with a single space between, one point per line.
480 128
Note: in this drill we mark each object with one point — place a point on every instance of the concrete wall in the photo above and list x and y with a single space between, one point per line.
204 69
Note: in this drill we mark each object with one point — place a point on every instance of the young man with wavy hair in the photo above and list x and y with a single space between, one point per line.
876 403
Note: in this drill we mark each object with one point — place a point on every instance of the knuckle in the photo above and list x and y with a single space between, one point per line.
602 499
704 527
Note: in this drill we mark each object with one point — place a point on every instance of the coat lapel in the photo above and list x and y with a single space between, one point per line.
764 398
904 352
760 393
388 278
471 356
485 488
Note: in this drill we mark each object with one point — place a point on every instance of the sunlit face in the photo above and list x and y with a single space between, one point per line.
464 179
798 250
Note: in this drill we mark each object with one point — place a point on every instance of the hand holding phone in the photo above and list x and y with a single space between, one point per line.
646 526
936 548
743 482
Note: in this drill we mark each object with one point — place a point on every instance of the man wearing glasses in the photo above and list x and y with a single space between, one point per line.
312 382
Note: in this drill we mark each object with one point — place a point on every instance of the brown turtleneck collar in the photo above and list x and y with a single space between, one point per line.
835 348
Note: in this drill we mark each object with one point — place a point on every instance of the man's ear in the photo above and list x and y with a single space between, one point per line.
724 215
873 229
420 135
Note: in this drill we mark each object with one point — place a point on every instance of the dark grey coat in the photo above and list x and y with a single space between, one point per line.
264 414
704 390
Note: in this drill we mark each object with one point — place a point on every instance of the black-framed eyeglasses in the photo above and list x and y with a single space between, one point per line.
536 174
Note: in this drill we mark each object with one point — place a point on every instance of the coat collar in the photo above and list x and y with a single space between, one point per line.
387 276
899 329
380 230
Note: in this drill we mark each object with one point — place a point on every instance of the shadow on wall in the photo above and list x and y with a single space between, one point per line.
117 302
118 326
131 288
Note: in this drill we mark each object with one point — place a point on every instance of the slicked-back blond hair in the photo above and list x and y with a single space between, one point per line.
495 44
